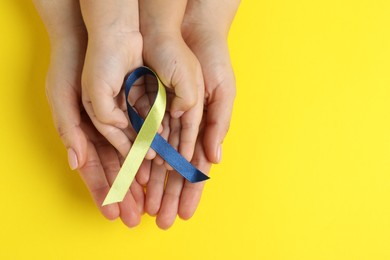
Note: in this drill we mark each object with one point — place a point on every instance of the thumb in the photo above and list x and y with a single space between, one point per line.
217 125
185 80
218 116
186 94
178 69
66 116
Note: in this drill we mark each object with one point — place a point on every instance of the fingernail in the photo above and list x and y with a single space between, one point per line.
177 114
72 159
219 154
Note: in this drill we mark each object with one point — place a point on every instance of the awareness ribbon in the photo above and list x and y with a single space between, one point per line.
148 137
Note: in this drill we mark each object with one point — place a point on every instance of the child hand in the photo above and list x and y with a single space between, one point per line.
114 50
166 52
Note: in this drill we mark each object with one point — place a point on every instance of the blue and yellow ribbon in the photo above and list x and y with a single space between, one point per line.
148 137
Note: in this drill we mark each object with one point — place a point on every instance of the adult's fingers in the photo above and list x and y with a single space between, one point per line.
170 201
219 112
128 210
66 116
143 173
192 192
137 190
155 189
214 58
93 175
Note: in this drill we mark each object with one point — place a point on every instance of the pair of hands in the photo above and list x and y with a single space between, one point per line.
89 60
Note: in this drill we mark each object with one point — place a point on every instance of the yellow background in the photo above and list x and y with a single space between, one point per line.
305 172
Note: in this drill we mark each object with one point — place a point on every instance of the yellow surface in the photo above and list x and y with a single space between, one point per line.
305 173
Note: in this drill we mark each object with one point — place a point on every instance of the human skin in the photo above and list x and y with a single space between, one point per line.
166 53
205 29
96 159
86 146
114 49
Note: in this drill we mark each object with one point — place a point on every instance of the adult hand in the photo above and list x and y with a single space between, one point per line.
95 158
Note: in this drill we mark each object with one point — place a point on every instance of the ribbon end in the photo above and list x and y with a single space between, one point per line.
112 197
108 202
199 178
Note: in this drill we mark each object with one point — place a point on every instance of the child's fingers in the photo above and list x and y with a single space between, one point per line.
190 127
104 106
177 68
181 103
102 79
114 135
185 84
151 154
107 62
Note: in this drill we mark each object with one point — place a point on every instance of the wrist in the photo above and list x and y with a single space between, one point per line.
152 25
68 33
104 19
156 34
161 17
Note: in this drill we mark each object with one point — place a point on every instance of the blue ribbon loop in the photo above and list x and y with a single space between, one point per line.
162 147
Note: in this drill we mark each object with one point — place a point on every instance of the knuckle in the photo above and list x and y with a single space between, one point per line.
102 116
91 164
225 127
111 168
62 131
172 194
192 99
188 125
